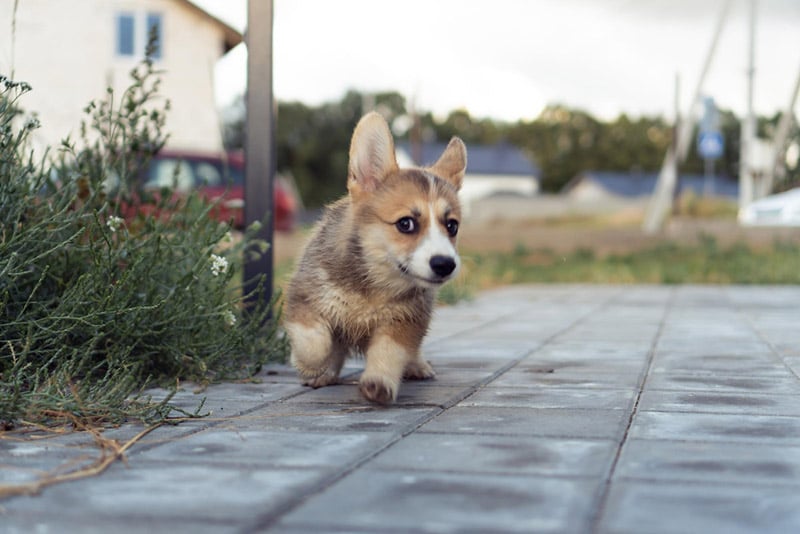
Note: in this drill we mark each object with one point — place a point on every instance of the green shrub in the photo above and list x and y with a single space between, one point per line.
98 302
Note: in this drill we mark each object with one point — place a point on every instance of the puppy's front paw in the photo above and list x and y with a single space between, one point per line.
419 370
377 389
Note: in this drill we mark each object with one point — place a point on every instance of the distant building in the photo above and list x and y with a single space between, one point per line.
500 169
593 186
70 52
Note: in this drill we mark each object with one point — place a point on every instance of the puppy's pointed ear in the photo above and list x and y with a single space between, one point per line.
452 163
371 155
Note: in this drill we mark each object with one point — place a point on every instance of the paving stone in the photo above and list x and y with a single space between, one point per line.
721 462
568 347
25 461
168 490
639 334
572 423
793 362
230 398
538 377
788 385
40 521
436 502
759 429
334 417
571 360
679 508
719 402
469 349
750 365
465 373
578 398
28 460
695 343
260 448
516 455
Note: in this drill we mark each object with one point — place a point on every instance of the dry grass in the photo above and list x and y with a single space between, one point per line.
110 451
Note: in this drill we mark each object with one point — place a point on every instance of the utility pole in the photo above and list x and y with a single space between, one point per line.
747 150
259 145
661 201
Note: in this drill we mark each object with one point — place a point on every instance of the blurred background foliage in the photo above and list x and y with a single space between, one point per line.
313 141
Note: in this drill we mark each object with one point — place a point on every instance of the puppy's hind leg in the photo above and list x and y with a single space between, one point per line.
335 361
315 355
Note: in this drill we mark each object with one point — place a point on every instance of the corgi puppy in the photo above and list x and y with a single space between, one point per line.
367 280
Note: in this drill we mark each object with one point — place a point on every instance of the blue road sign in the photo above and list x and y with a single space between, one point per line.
710 144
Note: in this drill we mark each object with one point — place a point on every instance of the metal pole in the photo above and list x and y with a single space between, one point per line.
259 145
746 174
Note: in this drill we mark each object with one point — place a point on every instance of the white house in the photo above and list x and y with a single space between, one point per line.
71 51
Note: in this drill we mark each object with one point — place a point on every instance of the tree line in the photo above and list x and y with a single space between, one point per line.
313 141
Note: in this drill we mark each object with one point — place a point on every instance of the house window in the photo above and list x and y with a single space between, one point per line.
125 34
134 31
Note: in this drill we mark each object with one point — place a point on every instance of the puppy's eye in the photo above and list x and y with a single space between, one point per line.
452 227
406 225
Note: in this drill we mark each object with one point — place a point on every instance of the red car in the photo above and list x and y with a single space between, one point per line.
217 180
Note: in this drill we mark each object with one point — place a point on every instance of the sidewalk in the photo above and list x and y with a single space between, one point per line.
556 409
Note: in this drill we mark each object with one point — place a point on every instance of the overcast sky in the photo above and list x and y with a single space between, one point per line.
507 59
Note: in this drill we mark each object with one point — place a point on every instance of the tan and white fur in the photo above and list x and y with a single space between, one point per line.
367 280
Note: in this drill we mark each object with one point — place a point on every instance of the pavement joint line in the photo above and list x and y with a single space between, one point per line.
599 510
213 422
773 351
269 519
504 317
481 327
547 341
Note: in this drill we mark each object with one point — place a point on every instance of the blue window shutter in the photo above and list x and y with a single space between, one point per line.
154 27
125 34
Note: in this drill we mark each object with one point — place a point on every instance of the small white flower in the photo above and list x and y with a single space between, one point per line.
114 223
229 317
218 265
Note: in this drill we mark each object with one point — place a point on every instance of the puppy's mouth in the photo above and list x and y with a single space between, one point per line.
437 281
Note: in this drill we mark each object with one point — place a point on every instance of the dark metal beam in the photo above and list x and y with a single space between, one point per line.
259 144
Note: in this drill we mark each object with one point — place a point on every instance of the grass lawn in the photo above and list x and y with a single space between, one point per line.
694 257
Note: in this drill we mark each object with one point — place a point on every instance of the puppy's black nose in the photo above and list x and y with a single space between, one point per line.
442 265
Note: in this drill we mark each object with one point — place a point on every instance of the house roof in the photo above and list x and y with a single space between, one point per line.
632 185
231 36
499 159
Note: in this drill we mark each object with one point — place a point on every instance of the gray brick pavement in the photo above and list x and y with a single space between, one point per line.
556 409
